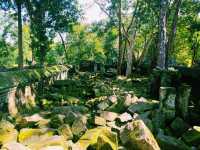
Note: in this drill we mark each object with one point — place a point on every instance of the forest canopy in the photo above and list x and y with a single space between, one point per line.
133 34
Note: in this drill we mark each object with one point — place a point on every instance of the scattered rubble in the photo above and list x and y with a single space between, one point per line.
88 113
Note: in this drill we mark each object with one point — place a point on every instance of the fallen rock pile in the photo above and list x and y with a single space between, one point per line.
110 120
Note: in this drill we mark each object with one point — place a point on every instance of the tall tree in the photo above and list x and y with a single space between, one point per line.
161 63
20 36
48 17
130 34
16 5
172 34
119 66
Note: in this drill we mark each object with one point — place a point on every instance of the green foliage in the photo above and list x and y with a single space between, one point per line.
85 45
56 54
98 42
48 17
8 50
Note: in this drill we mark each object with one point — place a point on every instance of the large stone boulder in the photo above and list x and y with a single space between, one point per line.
99 138
142 106
113 99
99 121
8 133
66 109
109 116
137 135
28 136
179 126
79 126
103 105
129 99
49 143
14 146
56 121
31 121
168 102
53 148
70 117
171 143
125 117
66 132
182 100
113 125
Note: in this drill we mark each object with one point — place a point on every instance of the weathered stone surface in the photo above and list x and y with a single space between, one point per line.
158 120
138 136
8 133
142 99
27 81
121 148
109 116
28 136
146 119
14 146
53 148
103 106
99 121
112 99
167 102
146 114
56 121
95 101
99 138
149 124
12 106
66 132
171 143
143 106
33 118
66 109
125 117
70 117
182 100
118 107
192 136
48 142
73 146
40 121
130 100
79 125
179 126
113 126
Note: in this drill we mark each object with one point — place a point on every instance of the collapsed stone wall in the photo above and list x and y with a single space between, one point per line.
175 78
18 89
175 89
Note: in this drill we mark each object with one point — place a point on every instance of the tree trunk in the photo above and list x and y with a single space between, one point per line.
161 63
119 67
20 38
172 35
130 54
194 53
146 48
63 43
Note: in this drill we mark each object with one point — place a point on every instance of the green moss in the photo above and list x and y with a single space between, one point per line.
17 78
94 136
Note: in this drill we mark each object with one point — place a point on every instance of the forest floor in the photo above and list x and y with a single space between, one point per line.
92 111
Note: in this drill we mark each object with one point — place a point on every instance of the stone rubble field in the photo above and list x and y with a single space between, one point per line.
95 112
